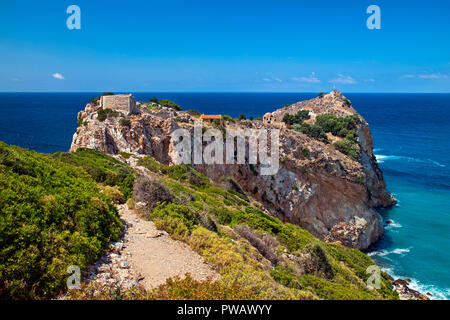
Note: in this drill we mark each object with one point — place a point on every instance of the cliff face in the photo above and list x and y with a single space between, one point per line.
317 187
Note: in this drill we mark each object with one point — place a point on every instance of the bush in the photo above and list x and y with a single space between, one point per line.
114 194
193 113
125 123
177 220
103 114
151 192
242 117
52 216
228 118
265 244
169 104
313 131
297 118
338 126
174 289
347 147
102 168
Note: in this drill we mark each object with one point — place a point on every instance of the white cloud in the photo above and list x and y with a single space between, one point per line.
341 79
311 79
273 79
431 76
58 76
370 80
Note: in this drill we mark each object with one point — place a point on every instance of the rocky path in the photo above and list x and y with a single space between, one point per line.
146 256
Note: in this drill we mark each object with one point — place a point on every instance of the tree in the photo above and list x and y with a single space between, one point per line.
242 117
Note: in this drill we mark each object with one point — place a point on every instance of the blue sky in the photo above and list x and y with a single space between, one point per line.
291 46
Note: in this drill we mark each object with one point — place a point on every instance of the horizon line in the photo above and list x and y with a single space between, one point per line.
174 91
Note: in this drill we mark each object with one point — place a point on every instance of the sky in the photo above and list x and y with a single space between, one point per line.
227 46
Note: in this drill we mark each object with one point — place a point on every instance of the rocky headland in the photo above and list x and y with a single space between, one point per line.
329 193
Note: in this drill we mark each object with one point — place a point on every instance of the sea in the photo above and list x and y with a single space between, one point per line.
411 142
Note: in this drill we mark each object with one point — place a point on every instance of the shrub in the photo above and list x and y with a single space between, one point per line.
177 220
228 118
103 114
193 113
114 194
102 168
125 155
313 131
151 192
338 126
320 95
265 244
169 104
52 216
297 118
347 147
125 123
242 117
177 288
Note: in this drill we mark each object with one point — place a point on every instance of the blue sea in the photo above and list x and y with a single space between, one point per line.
411 142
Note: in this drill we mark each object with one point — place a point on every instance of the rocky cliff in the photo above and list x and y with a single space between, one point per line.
317 187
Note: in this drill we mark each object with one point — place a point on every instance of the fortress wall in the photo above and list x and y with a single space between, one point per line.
122 103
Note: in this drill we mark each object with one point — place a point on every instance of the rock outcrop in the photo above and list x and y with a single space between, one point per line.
316 187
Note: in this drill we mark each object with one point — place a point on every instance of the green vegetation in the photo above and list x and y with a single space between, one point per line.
348 147
103 114
52 216
320 95
173 289
102 168
313 131
297 118
57 211
345 127
244 243
193 113
228 118
242 117
125 123
169 104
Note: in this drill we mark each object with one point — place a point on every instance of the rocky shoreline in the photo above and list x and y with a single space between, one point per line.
401 286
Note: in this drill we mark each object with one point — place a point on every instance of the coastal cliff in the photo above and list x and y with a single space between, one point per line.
318 187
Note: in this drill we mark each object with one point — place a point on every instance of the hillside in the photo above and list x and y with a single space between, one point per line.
256 255
326 183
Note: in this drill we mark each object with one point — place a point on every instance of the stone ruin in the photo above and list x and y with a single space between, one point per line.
123 103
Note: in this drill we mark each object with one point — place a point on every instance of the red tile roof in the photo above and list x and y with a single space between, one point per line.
211 117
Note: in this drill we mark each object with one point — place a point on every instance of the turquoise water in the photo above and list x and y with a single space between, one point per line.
411 140
412 145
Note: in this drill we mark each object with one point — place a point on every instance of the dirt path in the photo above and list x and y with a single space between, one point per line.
154 256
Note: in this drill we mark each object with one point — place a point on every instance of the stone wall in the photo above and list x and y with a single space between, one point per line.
124 103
